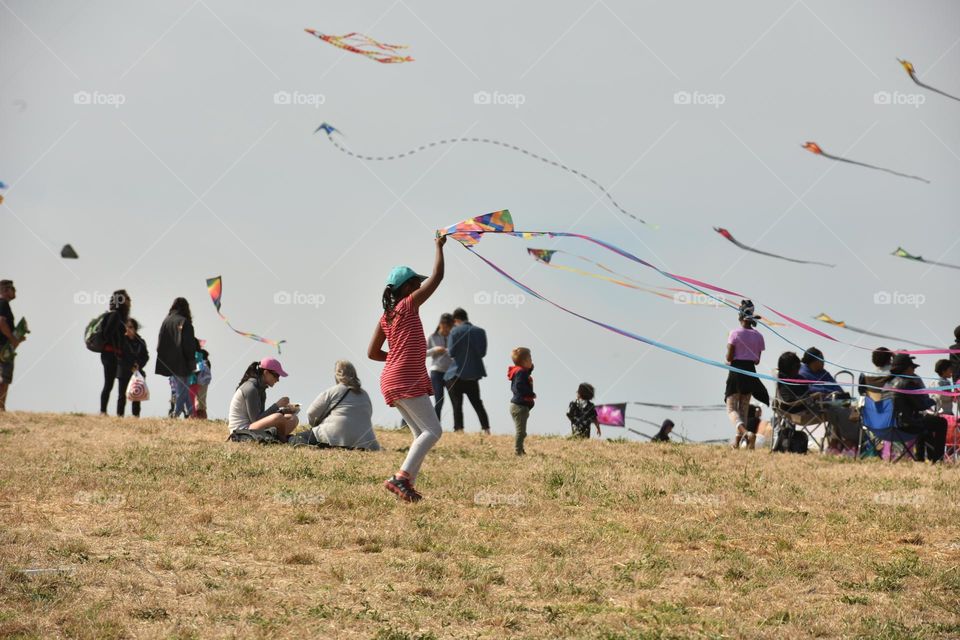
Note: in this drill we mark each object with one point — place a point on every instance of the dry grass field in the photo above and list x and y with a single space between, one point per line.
163 530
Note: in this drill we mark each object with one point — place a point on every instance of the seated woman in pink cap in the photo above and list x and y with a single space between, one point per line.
248 408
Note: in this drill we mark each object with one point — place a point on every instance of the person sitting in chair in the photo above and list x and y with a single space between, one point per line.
909 409
881 357
812 369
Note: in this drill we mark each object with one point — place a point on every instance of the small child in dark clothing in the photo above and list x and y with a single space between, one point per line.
521 383
133 356
583 413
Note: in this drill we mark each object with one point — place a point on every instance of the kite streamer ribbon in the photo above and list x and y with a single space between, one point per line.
908 67
932 350
215 287
475 226
902 253
815 149
729 236
506 145
364 45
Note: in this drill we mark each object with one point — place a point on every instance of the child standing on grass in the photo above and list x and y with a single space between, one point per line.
583 413
404 381
521 383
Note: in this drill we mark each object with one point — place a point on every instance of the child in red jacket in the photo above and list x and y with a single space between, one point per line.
521 383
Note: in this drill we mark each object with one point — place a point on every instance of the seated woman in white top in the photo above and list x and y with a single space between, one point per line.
341 416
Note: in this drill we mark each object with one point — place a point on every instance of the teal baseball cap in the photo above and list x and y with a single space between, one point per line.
399 276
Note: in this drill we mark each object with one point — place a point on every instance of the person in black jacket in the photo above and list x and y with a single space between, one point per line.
909 409
134 356
113 328
521 384
175 353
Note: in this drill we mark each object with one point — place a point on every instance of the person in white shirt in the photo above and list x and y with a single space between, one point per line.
440 359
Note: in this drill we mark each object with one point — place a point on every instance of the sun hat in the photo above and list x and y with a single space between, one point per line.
400 275
272 364
902 362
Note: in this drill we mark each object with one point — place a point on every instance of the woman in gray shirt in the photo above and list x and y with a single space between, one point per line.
342 415
440 359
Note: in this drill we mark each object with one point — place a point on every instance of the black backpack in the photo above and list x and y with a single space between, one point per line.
94 336
258 436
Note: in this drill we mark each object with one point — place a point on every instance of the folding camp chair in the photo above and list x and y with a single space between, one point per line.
951 452
808 416
880 426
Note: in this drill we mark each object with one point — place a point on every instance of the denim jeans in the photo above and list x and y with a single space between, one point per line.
182 402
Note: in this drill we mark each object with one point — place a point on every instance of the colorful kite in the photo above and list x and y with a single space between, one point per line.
843 325
68 252
908 67
814 148
902 253
215 287
3 185
365 46
327 127
469 231
612 415
729 236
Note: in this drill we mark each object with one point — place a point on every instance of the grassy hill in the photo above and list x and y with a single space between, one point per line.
163 530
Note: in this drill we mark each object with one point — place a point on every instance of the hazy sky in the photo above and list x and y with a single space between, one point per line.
183 165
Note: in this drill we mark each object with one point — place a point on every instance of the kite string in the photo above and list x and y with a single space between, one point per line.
946 390
641 338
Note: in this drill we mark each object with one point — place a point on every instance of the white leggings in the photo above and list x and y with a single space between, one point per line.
422 419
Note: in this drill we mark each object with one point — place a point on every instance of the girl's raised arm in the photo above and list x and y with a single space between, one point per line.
430 285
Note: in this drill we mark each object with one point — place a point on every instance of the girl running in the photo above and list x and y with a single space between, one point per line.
404 381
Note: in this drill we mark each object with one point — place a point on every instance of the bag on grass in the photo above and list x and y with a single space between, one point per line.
799 442
259 436
137 388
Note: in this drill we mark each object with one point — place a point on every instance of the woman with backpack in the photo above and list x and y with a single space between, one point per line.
342 415
111 329
134 356
248 410
176 346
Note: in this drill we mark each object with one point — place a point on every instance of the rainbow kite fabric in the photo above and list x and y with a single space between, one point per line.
612 415
843 325
364 45
815 149
469 231
902 253
215 287
506 145
908 67
3 185
729 236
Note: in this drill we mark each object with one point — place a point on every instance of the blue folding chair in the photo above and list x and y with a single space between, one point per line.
878 421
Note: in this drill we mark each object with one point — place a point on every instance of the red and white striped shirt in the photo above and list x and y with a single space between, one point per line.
405 375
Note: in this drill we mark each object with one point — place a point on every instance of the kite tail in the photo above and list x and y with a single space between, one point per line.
873 166
946 390
506 145
934 89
